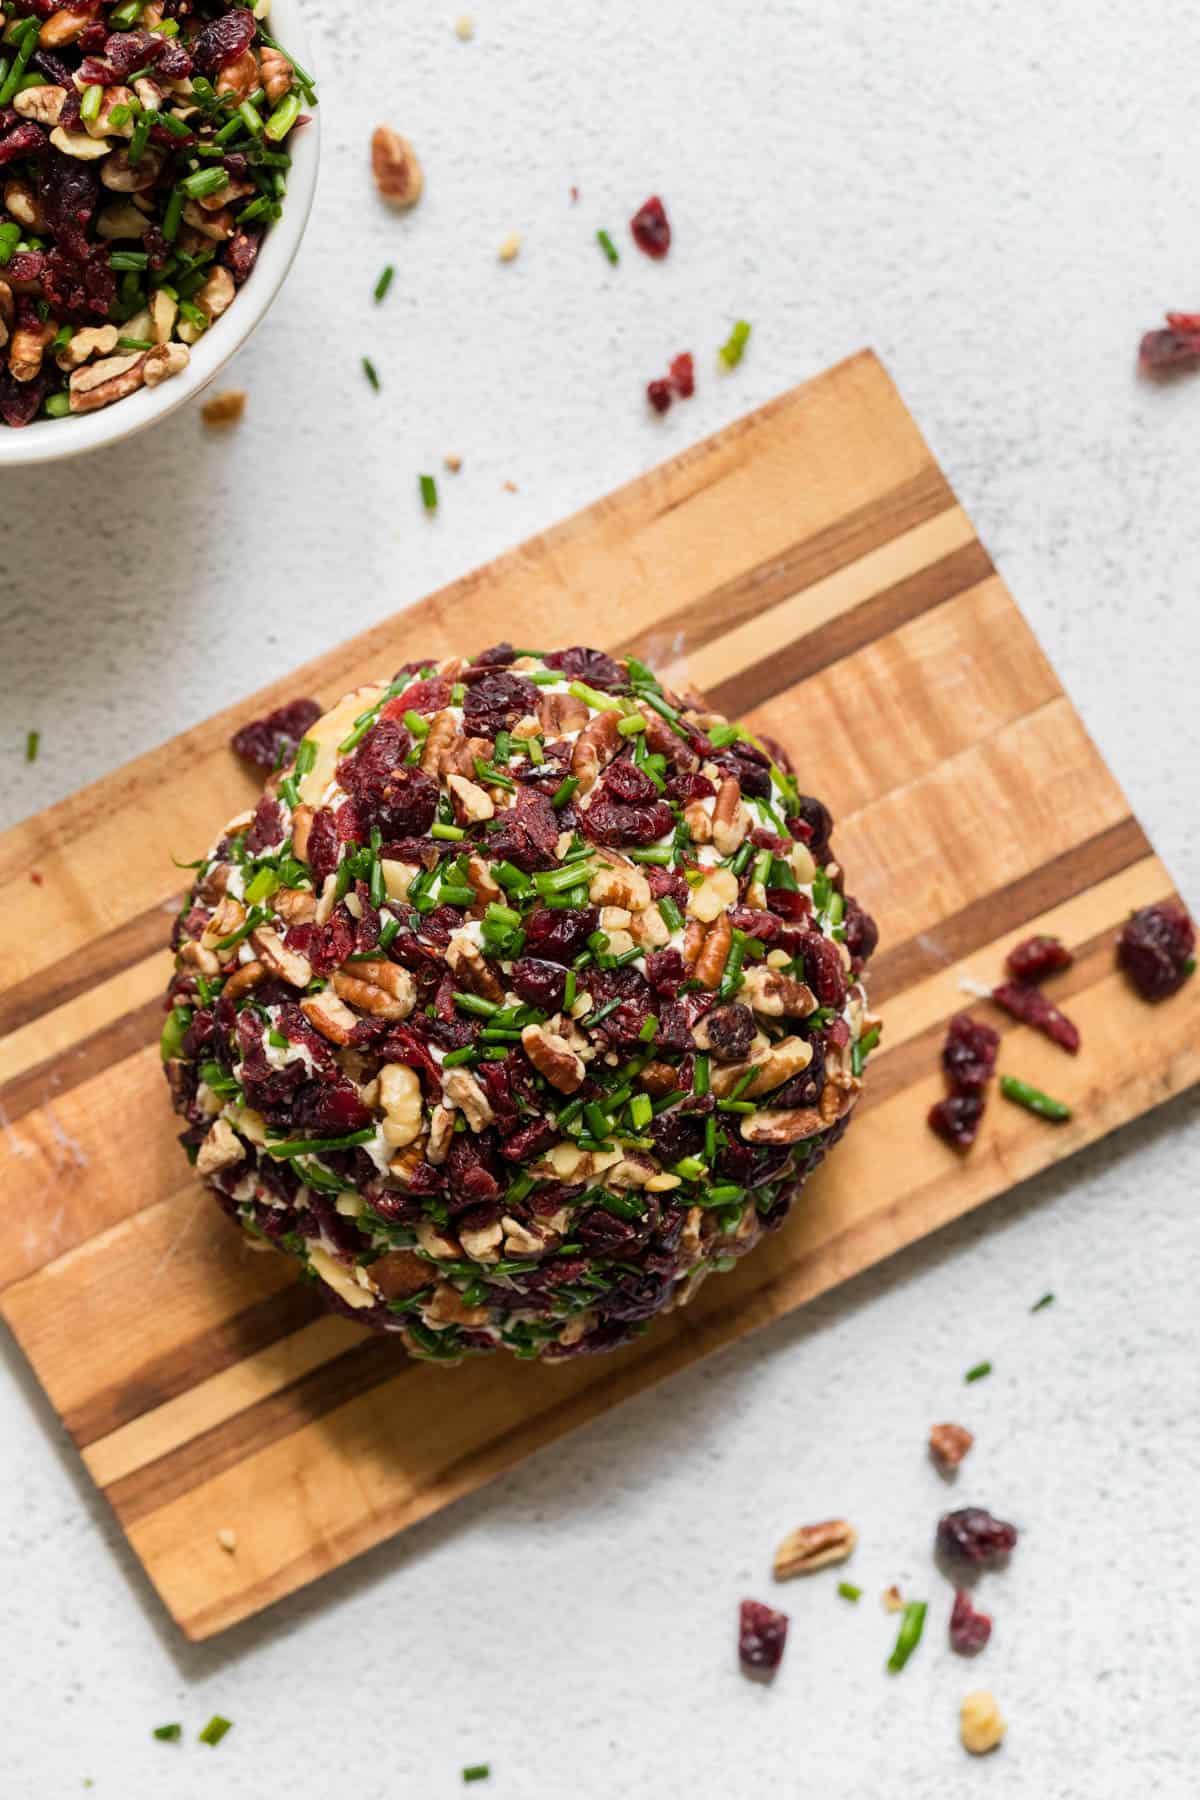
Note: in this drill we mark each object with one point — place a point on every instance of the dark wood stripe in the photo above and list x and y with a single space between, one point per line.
986 919
105 956
165 1377
802 564
883 613
367 1365
58 1074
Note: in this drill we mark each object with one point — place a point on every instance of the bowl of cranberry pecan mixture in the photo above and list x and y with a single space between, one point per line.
526 998
157 164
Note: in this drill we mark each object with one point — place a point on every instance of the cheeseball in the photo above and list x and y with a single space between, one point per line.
525 999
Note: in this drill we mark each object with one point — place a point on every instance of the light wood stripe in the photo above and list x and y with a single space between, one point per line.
809 565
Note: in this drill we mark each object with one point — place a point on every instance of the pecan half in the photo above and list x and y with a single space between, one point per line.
714 953
287 964
730 817
814 1547
396 168
776 995
595 748
330 1016
771 1068
553 1058
382 989
400 1274
461 1089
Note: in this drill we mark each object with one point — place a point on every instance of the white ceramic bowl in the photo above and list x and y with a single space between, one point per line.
53 440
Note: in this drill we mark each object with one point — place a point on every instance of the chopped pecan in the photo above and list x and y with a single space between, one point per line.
27 349
225 920
698 822
295 905
658 1078
814 1547
245 977
553 1058
382 989
240 77
43 104
330 1016
785 1126
447 1307
561 713
275 72
471 804
401 1100
482 1244
220 1149
93 340
99 384
620 884
594 749
443 729
714 953
777 995
469 966
949 1444
519 1240
730 818
441 1131
981 1726
770 1069
287 964
396 168
399 1274
460 1089
302 819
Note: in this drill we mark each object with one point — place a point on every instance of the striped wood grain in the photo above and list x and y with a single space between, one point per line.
810 569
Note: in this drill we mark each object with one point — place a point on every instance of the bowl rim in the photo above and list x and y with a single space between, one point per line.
58 440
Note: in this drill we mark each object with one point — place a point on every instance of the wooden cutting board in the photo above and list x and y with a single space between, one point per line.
811 570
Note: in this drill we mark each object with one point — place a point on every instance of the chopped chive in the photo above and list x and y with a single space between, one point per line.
1033 1100
475 1003
215 1730
593 697
1040 1305
454 1059
314 1146
978 1372
371 373
283 118
631 724
691 1168
129 260
429 493
93 100
641 1111
563 791
609 248
671 915
32 741
477 1772
701 1074
734 347
911 1627
848 1591
168 1734
384 283
449 834
203 182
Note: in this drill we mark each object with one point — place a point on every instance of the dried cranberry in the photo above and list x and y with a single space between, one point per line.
404 1044
528 832
530 1140
690 785
20 401
974 1535
266 828
496 656
423 696
324 846
606 823
666 971
730 1030
683 374
658 393
956 1119
749 768
82 286
240 253
1157 949
273 741
1163 352
651 228
676 1134
862 933
751 1165
331 1107
560 933
789 904
755 923
1038 957
53 67
401 801
969 1055
1031 1006
471 1181
24 139
497 702
539 983
662 882
762 1637
331 943
221 41
823 969
625 783
818 821
969 1630
592 666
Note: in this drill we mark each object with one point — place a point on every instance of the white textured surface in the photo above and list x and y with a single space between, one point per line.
1000 202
